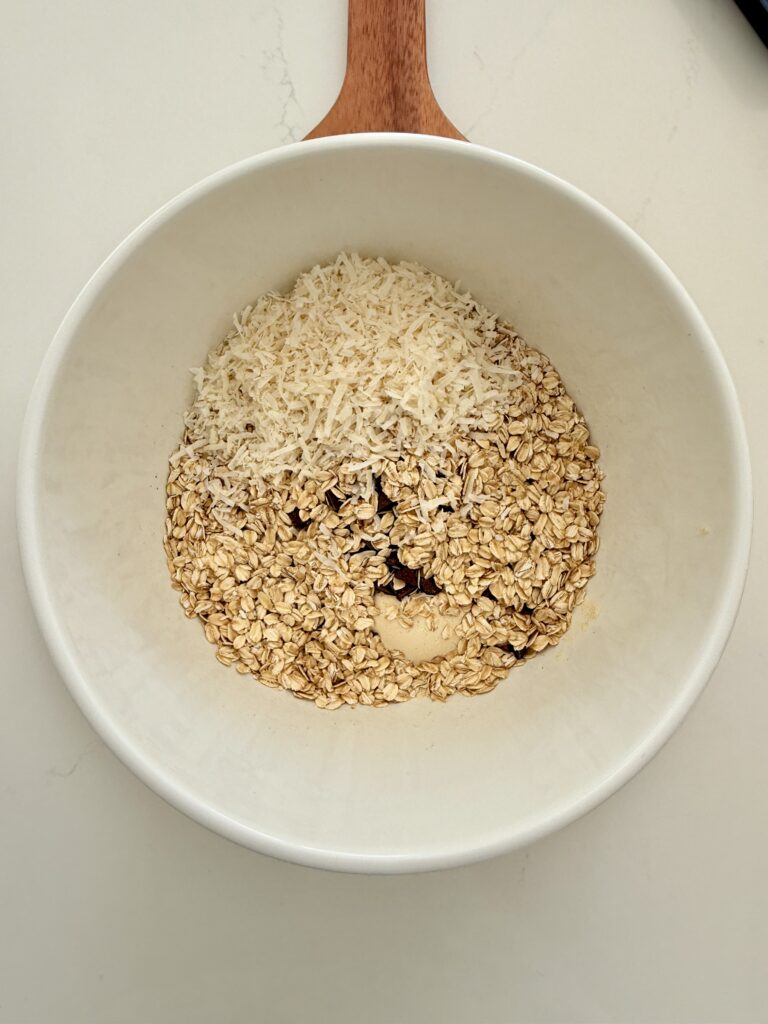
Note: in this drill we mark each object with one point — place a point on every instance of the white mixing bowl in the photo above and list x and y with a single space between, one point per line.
420 785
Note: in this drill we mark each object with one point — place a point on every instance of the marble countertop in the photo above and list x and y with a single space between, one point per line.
116 908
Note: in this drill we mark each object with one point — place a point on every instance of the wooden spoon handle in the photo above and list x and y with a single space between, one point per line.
386 87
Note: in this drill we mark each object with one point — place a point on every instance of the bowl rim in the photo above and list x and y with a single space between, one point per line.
509 836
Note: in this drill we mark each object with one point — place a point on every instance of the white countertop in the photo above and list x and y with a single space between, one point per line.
116 908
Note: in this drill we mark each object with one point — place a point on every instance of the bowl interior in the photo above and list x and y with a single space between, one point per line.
418 785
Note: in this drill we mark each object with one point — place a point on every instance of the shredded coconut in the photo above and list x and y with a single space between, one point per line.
361 361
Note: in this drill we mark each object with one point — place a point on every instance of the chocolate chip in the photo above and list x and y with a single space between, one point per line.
519 655
388 588
296 519
333 500
410 577
393 561
403 572
429 586
383 501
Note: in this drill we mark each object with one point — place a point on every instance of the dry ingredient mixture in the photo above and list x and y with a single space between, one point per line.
375 431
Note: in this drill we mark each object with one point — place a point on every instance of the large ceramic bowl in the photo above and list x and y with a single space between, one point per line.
419 785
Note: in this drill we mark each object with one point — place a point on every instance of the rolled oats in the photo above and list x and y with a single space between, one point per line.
283 574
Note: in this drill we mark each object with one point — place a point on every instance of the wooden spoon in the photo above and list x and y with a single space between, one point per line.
386 87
